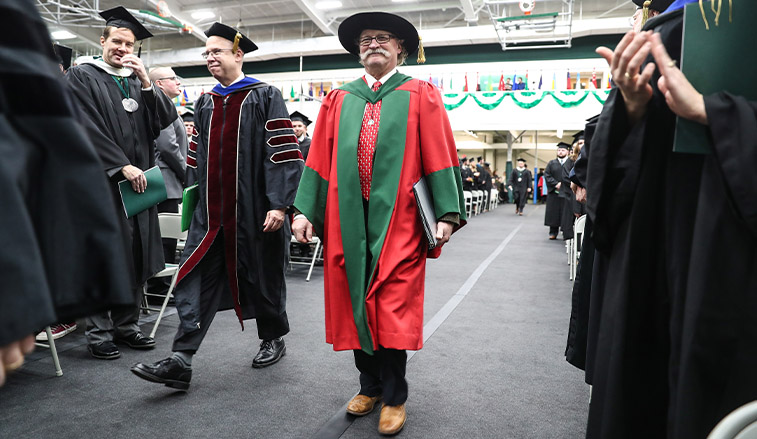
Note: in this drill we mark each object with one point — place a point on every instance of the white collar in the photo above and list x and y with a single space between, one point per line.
371 80
520 169
123 72
301 138
562 160
241 77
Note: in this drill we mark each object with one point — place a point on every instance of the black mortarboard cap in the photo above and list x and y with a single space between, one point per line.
120 17
564 145
352 26
522 160
229 33
479 158
301 117
63 54
657 5
578 136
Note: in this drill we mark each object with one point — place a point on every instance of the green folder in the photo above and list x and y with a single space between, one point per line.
719 59
188 203
155 193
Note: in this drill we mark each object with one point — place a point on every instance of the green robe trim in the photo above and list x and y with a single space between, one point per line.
361 252
313 203
445 200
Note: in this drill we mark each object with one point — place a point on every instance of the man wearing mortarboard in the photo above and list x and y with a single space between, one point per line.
300 123
520 184
124 114
376 137
558 189
248 169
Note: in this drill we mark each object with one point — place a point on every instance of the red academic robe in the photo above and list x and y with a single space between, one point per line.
375 261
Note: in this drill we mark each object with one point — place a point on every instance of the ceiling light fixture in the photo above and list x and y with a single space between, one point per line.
326 5
62 35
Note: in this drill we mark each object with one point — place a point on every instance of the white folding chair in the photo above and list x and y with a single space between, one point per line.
576 244
493 199
739 424
170 227
51 345
468 196
317 255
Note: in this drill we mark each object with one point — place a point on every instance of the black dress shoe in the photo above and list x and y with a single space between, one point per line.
170 372
270 352
136 341
105 350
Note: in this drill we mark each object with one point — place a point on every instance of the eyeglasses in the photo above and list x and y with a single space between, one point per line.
214 53
172 78
381 39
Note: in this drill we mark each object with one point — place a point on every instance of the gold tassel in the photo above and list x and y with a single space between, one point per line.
237 37
717 14
421 52
730 11
704 16
645 12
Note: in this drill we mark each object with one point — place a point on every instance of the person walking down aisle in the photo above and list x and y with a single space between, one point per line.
558 190
366 212
125 114
521 184
237 248
300 123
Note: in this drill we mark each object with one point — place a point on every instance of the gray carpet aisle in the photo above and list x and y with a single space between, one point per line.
493 369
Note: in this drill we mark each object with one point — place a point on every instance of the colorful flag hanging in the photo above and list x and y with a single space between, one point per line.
465 88
478 83
541 80
578 80
554 79
501 86
525 86
291 95
594 78
568 86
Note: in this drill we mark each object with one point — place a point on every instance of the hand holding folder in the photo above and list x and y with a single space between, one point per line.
155 193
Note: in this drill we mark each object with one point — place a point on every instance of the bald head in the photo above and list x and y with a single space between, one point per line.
165 78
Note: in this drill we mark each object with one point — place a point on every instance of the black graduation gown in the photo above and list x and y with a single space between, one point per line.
305 147
552 176
60 253
568 201
716 372
520 187
642 198
465 174
122 138
258 137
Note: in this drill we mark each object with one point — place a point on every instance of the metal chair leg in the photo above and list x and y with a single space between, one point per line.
165 303
51 344
312 262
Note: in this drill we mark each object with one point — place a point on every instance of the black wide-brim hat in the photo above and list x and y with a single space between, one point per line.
657 5
351 27
229 33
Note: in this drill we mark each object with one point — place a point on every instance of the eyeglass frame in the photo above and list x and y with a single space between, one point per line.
367 40
173 78
207 54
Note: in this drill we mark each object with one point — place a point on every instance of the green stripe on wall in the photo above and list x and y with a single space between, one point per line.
484 53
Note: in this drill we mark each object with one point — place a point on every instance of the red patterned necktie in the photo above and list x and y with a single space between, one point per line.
366 145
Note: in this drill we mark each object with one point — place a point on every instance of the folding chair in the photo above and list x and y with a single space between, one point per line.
468 196
577 244
170 227
739 424
493 199
51 345
317 255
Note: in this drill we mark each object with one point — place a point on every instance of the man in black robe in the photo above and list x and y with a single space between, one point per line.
61 256
249 167
467 174
300 124
558 191
521 185
643 199
125 114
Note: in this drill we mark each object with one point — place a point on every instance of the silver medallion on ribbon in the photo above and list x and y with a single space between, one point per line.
130 105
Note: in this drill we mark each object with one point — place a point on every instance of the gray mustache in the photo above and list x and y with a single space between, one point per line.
365 54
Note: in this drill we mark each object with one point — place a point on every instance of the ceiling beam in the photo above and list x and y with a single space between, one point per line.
316 16
470 14
225 4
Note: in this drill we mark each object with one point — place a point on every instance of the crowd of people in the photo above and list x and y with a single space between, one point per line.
663 305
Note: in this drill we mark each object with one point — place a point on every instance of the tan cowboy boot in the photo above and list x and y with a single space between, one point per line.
392 419
361 405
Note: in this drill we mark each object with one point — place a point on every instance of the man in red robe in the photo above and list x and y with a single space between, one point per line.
375 138
248 167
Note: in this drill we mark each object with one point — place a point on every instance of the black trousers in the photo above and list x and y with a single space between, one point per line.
383 373
520 198
169 245
211 278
